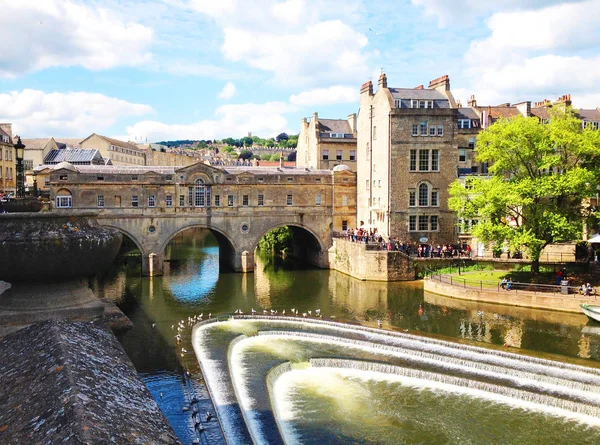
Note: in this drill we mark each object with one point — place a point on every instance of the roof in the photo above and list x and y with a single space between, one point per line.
275 171
70 142
540 112
35 143
334 126
71 155
116 142
411 93
71 382
4 133
589 115
467 113
501 112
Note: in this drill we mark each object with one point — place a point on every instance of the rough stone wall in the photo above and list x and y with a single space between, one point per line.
64 382
403 179
371 265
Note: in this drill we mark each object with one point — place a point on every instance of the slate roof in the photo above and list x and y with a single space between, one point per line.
467 113
275 171
589 115
71 382
71 155
540 112
70 142
411 93
334 126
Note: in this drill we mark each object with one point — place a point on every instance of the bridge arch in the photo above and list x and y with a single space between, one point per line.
314 249
129 235
228 249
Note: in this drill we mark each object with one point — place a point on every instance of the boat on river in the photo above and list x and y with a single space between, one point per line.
591 311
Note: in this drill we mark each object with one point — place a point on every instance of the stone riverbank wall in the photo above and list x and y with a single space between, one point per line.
71 382
520 298
363 262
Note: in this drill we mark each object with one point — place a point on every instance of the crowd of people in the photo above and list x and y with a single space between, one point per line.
422 250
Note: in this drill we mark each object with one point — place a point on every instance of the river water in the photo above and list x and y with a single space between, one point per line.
193 285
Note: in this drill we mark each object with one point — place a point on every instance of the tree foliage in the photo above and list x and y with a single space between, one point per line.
245 154
282 137
276 241
540 173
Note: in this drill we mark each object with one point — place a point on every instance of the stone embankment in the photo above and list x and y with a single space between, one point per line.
516 297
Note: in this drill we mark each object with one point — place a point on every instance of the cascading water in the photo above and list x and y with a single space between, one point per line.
243 374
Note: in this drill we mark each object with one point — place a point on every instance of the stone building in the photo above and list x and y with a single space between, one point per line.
408 151
8 172
119 152
254 190
325 143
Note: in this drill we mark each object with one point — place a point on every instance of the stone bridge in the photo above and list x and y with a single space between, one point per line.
238 234
239 205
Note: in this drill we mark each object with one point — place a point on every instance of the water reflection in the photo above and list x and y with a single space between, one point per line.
192 285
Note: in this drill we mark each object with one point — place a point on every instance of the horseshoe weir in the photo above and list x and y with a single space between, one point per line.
278 380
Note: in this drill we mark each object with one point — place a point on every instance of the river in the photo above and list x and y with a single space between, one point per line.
193 285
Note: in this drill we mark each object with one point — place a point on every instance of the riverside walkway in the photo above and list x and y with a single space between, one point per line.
538 296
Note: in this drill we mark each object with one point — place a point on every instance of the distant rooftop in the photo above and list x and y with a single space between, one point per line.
412 93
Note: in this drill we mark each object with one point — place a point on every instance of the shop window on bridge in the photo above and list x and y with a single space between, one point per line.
64 200
181 200
169 201
151 201
135 201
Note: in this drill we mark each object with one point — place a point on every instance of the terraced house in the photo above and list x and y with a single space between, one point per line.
8 173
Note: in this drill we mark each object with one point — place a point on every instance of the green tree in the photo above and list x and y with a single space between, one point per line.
245 154
276 241
275 157
282 137
292 157
201 144
540 173
265 157
246 141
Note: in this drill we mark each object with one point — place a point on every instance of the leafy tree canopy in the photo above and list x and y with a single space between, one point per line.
245 154
539 175
276 240
281 137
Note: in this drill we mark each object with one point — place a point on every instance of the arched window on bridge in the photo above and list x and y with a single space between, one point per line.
200 194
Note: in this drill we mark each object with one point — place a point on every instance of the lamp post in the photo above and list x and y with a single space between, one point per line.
35 186
20 149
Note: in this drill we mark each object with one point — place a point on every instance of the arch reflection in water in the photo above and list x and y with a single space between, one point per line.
200 263
400 380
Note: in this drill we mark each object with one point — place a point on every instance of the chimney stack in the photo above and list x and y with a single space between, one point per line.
458 104
367 87
382 82
472 102
352 122
441 83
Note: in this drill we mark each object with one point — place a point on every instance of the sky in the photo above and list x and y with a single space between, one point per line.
151 70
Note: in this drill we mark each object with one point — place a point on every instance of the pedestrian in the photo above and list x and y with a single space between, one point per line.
509 285
559 276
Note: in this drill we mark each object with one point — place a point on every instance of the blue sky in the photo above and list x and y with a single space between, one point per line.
205 69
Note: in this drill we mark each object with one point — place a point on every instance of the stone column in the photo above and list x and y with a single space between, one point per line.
247 260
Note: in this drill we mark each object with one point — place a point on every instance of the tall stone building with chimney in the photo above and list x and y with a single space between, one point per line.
325 143
408 156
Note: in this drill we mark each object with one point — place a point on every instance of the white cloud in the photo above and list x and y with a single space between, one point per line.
461 11
42 34
532 55
231 121
567 27
299 42
35 113
336 94
228 91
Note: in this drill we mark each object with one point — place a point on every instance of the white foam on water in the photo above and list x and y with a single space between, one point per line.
334 381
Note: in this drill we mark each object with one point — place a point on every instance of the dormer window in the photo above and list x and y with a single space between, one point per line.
337 135
464 123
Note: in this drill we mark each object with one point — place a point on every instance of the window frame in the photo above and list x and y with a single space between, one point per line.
152 201
290 200
412 223
260 200
100 201
169 200
230 200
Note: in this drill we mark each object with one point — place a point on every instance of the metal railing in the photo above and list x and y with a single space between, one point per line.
515 287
